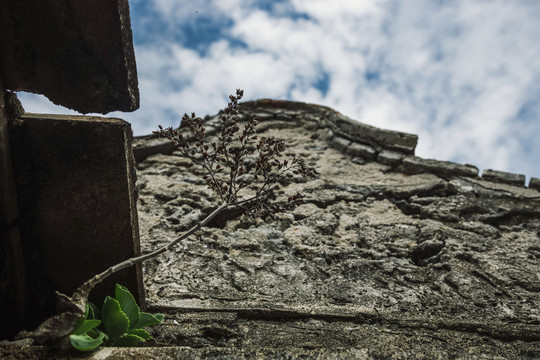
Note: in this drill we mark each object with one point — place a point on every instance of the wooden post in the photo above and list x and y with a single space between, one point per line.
75 184
67 184
12 276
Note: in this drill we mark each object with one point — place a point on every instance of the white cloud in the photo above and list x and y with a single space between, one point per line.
457 73
333 12
485 62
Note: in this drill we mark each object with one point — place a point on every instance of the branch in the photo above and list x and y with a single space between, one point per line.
70 309
268 152
81 294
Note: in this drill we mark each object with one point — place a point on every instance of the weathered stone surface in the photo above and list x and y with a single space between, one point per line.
377 260
152 145
504 177
338 123
390 157
534 183
76 192
386 139
416 165
364 151
237 335
340 143
77 53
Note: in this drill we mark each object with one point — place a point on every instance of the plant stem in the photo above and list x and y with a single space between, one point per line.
81 294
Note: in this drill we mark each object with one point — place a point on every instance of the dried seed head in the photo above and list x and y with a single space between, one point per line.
227 166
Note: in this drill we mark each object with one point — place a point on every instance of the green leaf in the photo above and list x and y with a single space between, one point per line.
86 310
95 333
85 342
82 326
78 324
114 319
127 303
159 316
141 333
128 340
146 319
85 326
93 311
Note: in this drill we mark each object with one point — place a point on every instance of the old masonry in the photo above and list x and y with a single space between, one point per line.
393 255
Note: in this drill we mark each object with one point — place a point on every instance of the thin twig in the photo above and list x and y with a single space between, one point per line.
83 291
267 152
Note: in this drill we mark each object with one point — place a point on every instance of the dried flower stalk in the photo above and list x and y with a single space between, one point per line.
242 169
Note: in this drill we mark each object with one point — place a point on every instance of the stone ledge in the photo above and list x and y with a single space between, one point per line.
391 158
339 124
338 142
364 151
534 183
504 177
370 135
216 335
390 351
417 165
387 147
145 146
352 148
346 135
207 352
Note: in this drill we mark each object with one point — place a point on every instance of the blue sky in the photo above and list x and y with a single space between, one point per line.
463 75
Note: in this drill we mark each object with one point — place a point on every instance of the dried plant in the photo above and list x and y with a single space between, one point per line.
242 169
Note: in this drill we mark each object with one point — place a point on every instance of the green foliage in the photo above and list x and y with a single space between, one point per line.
122 323
86 336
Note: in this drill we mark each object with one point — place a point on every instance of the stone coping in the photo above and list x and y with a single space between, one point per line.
363 142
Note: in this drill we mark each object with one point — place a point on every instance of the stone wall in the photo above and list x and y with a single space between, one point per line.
392 254
362 142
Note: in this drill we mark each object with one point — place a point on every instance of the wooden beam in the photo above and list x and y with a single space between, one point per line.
75 181
12 274
78 53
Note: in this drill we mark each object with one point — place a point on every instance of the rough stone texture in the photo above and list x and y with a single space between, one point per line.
435 264
76 192
505 177
148 145
377 264
77 53
534 183
364 151
349 136
338 123
314 343
390 157
417 165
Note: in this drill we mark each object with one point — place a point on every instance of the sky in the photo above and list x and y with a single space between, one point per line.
464 75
